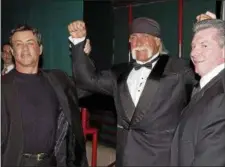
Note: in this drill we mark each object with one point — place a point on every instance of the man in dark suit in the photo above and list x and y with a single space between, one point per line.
148 94
7 58
199 138
40 118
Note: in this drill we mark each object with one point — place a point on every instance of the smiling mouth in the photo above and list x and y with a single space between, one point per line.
198 62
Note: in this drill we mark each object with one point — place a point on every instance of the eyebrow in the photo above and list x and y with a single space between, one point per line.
26 41
204 42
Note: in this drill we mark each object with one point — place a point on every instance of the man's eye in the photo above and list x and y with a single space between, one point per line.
30 43
204 46
18 44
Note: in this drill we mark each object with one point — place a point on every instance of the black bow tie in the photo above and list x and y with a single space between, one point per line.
147 65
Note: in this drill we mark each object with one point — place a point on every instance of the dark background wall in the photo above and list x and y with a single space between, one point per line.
98 16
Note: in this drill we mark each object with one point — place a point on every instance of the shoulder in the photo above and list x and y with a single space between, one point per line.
179 65
8 78
60 76
57 73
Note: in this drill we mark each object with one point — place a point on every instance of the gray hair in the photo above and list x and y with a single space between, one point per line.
217 24
162 49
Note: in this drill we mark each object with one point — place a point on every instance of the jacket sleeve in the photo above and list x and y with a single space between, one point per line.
85 74
210 150
4 125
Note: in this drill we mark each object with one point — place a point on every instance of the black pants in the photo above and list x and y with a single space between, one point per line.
33 162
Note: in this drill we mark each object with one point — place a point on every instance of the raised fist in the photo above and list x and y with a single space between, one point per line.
77 29
204 16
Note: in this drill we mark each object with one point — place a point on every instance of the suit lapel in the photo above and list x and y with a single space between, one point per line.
11 97
200 94
59 93
150 89
124 95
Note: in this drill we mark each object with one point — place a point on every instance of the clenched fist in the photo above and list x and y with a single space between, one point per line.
77 29
205 16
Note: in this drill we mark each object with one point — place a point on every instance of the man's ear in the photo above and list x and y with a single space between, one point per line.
158 41
130 37
129 40
41 49
11 50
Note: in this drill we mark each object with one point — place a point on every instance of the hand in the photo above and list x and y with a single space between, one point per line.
205 16
77 29
87 47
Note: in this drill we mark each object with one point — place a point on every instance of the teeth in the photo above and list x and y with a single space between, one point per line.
198 61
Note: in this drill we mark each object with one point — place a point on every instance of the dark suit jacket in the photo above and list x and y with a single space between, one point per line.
143 139
70 147
200 137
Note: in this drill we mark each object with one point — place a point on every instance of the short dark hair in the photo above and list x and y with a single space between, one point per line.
25 27
5 43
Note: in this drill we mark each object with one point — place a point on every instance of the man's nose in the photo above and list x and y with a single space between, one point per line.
195 52
139 42
25 46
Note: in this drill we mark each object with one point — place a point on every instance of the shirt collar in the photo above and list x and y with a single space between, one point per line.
11 66
209 76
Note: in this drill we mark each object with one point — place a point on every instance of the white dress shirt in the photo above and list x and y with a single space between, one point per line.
75 41
208 77
136 79
7 69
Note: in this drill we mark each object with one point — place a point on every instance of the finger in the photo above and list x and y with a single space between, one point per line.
87 51
203 17
199 17
210 14
75 23
81 26
87 48
69 28
74 26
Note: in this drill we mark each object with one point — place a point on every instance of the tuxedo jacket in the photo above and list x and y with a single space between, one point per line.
145 138
199 138
70 148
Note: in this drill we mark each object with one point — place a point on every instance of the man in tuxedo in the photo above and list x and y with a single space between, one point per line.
148 94
40 118
7 58
199 138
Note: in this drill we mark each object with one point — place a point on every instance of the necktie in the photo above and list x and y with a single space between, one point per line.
4 71
147 65
195 90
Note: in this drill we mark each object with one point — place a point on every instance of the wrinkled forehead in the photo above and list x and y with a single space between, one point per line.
208 35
